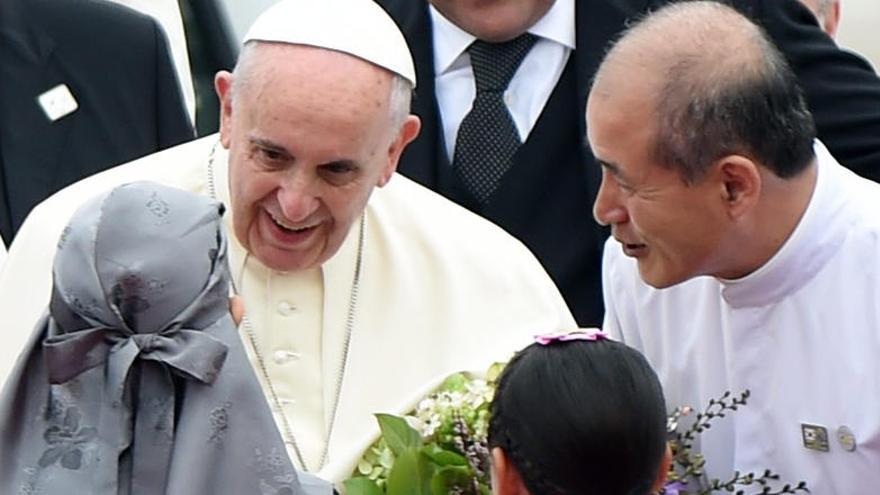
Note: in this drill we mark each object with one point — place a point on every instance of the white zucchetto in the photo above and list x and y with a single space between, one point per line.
357 27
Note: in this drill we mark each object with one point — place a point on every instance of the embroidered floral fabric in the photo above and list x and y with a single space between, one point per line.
135 381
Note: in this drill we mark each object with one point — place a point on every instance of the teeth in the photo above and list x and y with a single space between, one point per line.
287 227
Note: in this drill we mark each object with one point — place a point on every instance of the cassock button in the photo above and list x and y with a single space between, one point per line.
283 357
285 308
846 438
815 437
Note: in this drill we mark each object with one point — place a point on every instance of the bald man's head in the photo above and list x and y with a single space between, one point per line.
715 85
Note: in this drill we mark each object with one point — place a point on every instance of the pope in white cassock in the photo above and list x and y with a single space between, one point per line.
358 299
744 256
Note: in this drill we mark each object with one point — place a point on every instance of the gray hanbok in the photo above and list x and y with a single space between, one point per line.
135 381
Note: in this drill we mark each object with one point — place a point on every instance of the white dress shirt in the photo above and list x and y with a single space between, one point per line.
531 85
2 252
802 333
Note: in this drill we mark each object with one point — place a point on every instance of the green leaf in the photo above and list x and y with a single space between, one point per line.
399 435
361 486
411 474
494 371
443 457
450 477
455 383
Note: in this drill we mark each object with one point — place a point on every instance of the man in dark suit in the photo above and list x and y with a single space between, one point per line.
85 85
544 193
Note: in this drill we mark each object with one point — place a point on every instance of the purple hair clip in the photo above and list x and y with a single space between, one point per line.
590 334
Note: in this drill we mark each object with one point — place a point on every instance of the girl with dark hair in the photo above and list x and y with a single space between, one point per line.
578 413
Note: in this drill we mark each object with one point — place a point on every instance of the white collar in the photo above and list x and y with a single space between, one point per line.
815 239
450 41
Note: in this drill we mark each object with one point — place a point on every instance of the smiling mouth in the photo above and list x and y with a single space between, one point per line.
289 229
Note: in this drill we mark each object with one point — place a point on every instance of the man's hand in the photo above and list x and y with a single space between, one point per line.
236 307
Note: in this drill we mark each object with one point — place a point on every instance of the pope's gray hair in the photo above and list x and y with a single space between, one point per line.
399 99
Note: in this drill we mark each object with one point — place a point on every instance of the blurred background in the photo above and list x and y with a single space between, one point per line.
860 28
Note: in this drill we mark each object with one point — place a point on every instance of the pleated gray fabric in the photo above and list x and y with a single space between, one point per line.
135 381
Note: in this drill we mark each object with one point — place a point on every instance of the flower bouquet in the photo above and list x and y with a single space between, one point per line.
441 448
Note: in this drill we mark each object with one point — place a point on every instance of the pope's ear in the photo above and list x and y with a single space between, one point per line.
405 135
740 182
506 479
223 87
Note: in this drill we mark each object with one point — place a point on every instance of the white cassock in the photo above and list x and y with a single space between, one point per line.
802 333
441 290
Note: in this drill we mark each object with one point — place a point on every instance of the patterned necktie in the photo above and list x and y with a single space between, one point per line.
487 138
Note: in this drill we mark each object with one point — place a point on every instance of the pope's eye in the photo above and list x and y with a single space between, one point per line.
338 168
270 154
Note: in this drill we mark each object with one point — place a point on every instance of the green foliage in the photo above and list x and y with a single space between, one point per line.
687 466
438 450
399 435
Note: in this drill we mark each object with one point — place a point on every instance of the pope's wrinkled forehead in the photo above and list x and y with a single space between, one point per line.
357 27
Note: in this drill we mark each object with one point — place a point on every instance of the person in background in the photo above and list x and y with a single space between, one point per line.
502 90
363 290
86 85
578 413
169 16
827 14
744 256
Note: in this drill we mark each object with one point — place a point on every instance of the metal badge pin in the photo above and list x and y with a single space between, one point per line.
846 438
815 437
57 102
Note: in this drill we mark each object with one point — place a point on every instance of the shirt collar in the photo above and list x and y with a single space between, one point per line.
450 41
813 242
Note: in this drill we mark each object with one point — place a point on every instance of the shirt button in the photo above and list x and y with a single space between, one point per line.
285 308
509 99
283 357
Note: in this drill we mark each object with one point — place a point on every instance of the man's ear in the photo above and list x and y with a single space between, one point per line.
506 480
408 131
662 471
832 19
223 87
740 182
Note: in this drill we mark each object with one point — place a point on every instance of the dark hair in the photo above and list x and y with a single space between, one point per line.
750 105
581 417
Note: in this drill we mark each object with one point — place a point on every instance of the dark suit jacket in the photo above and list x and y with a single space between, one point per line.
117 65
546 199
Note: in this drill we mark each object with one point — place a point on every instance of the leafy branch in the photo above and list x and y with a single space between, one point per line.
688 467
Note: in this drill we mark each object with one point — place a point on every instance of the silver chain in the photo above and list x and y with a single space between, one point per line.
261 361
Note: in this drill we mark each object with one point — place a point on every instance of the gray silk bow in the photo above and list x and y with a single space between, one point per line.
136 381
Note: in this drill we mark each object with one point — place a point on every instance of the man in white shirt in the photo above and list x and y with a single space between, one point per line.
360 299
744 256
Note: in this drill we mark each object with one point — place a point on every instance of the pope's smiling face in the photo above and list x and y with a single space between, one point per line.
309 137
